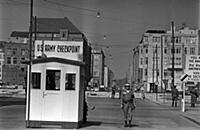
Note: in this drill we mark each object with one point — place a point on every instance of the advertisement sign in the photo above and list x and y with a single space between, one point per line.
192 68
72 50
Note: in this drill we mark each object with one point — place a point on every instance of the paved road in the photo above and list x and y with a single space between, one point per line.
107 115
5 101
148 115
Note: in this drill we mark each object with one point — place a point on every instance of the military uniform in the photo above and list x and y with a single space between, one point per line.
128 105
175 95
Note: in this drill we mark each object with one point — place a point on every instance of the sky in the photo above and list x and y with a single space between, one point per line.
116 32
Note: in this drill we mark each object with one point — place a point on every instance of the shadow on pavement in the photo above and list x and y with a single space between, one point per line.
91 123
134 125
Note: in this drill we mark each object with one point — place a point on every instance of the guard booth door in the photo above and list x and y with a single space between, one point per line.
52 96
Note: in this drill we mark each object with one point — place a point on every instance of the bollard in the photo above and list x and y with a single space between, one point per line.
183 105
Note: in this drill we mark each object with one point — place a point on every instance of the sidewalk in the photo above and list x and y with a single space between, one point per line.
190 113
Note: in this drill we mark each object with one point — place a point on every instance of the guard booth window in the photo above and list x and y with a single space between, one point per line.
53 80
36 80
70 80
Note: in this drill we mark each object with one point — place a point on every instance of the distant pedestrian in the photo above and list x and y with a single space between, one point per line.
175 95
142 92
194 95
127 104
113 92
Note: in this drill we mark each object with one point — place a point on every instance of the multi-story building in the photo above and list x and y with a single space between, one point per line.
1 62
14 69
57 29
98 63
155 57
136 75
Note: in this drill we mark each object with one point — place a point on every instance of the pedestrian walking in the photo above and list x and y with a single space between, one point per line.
194 95
175 95
142 92
113 92
127 104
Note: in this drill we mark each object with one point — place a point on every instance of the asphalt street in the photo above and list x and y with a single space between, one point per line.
106 114
6 101
148 115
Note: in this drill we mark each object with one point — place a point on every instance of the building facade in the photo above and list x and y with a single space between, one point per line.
98 63
57 29
14 70
155 57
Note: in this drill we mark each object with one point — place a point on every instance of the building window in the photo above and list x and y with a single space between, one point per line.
15 60
9 51
165 50
22 69
156 39
157 72
146 50
168 39
145 72
14 51
178 50
36 80
192 50
53 80
141 61
188 40
70 80
23 52
96 73
1 56
185 50
8 60
145 39
146 60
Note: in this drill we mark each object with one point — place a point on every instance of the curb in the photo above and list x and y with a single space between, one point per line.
183 114
191 119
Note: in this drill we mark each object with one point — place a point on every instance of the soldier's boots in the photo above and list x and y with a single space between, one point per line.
125 124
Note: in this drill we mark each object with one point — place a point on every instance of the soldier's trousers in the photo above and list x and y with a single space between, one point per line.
128 111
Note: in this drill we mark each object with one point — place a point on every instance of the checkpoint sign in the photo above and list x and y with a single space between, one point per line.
192 68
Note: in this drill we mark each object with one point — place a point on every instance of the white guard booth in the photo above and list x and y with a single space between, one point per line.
56 95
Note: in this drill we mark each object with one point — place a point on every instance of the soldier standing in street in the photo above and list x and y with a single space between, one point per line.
194 96
175 95
127 104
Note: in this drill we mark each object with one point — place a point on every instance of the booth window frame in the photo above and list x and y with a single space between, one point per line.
53 80
36 80
70 81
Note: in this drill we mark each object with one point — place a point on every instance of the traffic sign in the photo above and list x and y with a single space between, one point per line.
192 67
183 77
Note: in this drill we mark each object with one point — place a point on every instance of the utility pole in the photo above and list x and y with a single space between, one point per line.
161 67
157 72
153 72
173 51
30 62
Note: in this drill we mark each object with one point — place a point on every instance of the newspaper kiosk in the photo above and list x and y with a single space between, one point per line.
57 90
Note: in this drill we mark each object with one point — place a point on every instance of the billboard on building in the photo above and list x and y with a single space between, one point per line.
192 67
72 50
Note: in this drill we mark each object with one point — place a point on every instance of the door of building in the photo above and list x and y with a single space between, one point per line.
52 96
